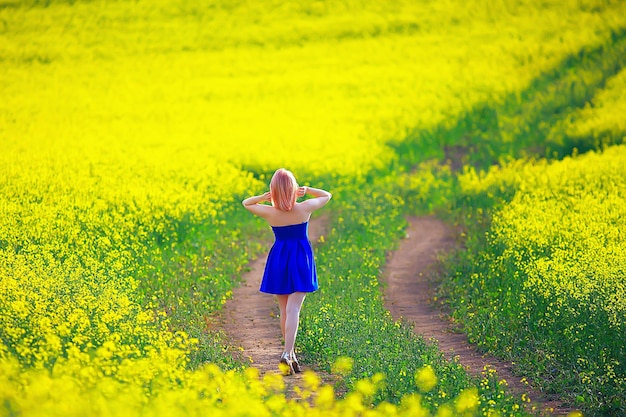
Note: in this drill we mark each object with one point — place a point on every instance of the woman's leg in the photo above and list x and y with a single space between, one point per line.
294 304
282 304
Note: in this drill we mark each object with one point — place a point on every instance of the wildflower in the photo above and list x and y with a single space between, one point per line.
425 378
325 397
311 380
343 366
445 411
366 387
467 401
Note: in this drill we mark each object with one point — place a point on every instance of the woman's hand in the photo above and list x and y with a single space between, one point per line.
302 191
267 197
320 198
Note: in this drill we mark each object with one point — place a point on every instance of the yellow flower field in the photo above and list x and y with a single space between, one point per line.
121 121
601 122
550 276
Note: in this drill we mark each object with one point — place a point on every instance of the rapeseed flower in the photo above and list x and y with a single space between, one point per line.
425 378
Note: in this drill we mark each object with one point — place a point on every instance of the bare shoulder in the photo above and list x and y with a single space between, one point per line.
315 203
261 210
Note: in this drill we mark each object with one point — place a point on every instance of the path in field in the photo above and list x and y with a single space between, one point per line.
251 319
408 295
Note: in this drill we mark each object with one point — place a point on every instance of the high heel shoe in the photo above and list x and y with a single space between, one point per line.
286 364
295 364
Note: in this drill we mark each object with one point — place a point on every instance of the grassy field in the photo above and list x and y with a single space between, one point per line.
131 130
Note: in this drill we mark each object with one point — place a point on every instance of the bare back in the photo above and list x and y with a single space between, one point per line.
298 214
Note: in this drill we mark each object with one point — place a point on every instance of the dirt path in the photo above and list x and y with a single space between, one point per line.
408 295
251 319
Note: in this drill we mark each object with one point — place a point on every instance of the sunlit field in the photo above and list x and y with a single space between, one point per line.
549 277
131 130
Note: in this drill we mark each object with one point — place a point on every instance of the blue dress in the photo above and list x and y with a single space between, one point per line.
290 264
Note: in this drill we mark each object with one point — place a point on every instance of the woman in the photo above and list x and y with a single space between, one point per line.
290 271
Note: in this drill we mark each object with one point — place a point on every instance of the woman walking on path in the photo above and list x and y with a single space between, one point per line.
290 271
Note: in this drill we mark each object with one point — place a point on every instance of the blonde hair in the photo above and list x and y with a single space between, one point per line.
283 189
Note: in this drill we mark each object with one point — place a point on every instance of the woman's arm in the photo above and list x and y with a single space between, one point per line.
256 199
319 200
253 204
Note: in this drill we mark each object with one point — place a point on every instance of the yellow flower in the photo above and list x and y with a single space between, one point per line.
311 380
365 387
342 365
425 378
445 411
325 397
467 400
273 382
